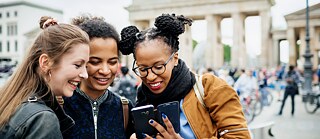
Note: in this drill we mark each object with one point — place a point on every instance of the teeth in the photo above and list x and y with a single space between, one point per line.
103 80
153 85
74 83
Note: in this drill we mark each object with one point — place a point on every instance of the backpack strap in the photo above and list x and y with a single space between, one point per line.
125 107
199 90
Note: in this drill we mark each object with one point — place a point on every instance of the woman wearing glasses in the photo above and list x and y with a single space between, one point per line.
167 78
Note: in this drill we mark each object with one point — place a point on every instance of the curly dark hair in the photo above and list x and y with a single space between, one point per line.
96 27
167 27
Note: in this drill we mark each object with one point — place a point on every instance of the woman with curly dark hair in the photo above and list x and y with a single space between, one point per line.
167 78
98 112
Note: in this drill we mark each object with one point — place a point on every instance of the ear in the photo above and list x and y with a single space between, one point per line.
176 58
44 63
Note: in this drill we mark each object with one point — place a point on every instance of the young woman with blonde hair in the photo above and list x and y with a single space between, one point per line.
54 66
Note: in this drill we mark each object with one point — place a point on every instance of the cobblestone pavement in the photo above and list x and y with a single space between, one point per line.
300 126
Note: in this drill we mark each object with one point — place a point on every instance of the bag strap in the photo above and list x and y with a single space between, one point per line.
125 108
199 90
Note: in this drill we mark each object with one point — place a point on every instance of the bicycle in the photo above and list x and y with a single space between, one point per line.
251 105
312 102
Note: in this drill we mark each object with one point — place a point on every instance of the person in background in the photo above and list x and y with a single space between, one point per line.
247 84
98 112
126 86
292 78
55 65
167 78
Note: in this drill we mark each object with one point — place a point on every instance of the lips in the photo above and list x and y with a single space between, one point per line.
102 81
155 86
73 84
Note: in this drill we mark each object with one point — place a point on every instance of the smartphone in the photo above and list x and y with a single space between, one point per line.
141 117
171 110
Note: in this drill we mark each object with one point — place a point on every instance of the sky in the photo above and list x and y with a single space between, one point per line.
115 13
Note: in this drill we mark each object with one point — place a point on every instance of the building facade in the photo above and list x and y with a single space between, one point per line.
16 19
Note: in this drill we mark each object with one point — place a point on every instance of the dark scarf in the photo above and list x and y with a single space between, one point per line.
180 84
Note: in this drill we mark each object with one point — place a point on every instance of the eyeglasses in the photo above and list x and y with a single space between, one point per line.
157 69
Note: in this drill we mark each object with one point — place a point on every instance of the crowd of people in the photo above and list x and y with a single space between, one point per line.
71 84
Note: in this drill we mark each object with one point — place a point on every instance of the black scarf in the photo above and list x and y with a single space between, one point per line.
180 84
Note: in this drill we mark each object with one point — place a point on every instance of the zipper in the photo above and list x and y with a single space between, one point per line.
231 130
95 118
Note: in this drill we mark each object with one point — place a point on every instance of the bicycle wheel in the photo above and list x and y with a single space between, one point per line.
248 114
257 107
311 103
270 98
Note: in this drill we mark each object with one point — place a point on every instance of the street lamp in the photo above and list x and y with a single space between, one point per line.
307 56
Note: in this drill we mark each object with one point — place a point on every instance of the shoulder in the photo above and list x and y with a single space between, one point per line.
216 88
213 81
33 114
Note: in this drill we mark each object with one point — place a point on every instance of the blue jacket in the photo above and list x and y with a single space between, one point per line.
34 119
109 117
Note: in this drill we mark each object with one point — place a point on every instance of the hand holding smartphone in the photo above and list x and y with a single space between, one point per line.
143 114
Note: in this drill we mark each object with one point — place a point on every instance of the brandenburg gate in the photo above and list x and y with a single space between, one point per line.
143 12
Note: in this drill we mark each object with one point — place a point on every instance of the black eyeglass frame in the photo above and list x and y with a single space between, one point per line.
147 68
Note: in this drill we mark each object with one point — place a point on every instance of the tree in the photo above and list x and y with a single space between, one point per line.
226 53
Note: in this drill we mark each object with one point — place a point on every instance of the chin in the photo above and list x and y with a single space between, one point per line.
68 94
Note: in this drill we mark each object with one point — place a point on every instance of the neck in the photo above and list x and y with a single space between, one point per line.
93 94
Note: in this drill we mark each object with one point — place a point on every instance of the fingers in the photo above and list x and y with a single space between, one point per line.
168 124
160 128
133 136
163 133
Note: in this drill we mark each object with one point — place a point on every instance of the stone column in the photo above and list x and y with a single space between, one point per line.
302 48
238 50
313 40
185 47
151 23
276 53
266 48
317 45
292 48
214 49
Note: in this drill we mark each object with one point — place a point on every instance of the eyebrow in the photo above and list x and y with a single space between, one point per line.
158 62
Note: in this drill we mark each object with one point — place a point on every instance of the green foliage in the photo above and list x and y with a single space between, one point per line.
194 44
226 53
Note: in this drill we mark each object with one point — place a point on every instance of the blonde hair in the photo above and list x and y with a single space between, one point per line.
55 40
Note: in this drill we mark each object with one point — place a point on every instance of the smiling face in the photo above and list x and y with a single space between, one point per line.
155 52
70 70
102 66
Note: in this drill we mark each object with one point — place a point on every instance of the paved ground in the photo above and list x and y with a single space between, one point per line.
300 126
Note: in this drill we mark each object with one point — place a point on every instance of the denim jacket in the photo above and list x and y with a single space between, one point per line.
34 119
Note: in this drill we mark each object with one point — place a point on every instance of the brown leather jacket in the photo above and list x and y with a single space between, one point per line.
224 111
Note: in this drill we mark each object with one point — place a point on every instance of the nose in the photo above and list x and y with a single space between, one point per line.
84 74
151 76
104 69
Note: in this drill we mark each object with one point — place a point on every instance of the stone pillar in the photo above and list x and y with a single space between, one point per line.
142 24
151 23
185 47
238 50
292 49
302 48
313 40
266 48
316 45
214 49
275 53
